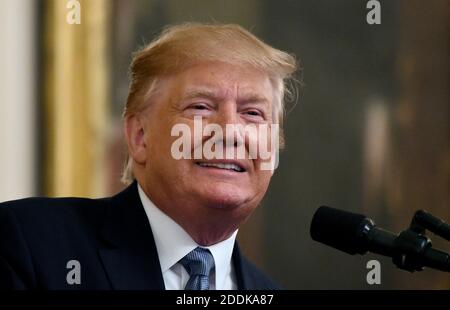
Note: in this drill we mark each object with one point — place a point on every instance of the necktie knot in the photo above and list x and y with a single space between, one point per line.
198 263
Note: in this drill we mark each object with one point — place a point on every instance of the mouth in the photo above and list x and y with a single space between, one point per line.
230 166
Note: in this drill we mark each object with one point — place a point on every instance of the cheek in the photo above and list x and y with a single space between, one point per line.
160 154
159 139
263 141
262 179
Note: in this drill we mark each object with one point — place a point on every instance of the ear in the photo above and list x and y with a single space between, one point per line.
135 134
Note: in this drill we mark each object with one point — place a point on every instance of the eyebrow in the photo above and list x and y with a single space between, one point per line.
208 94
201 94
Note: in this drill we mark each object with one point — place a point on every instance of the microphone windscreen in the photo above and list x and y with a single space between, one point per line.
339 229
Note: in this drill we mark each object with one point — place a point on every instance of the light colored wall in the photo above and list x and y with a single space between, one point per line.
18 99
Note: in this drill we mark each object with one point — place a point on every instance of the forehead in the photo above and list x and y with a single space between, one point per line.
223 79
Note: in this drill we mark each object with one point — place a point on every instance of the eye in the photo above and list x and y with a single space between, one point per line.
254 114
199 106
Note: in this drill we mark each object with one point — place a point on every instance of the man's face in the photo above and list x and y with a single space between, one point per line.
221 94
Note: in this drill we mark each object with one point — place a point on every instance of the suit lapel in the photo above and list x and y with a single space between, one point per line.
129 253
242 278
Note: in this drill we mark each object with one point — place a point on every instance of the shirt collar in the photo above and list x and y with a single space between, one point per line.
173 242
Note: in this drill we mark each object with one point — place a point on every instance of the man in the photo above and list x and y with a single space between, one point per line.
175 225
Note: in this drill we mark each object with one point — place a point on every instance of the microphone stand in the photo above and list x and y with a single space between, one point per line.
413 249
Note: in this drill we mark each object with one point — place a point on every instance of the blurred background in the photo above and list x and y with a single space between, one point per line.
369 133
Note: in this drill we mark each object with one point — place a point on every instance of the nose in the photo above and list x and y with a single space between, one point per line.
227 115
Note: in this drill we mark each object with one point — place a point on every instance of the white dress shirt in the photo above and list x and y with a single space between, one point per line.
173 243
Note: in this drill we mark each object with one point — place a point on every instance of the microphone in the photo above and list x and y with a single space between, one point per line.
424 220
356 234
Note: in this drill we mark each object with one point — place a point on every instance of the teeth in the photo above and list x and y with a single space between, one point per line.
222 166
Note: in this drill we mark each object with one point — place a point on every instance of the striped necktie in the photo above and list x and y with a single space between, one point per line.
198 263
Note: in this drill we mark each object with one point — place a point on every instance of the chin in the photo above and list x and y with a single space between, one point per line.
225 198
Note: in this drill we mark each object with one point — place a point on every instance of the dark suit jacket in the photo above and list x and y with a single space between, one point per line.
110 238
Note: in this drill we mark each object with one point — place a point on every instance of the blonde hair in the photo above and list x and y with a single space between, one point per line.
179 46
